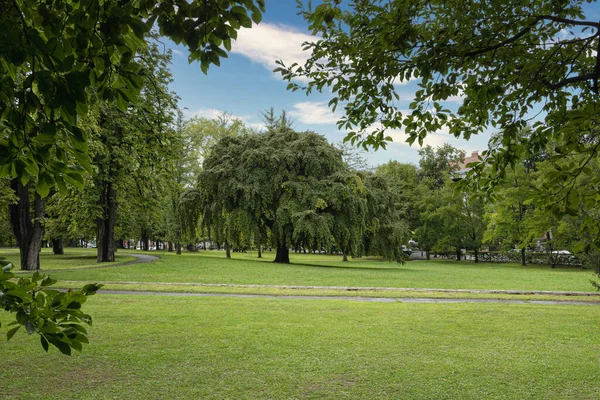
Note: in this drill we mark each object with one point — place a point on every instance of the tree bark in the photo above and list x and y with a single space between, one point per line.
227 250
170 247
28 232
476 256
58 246
345 257
178 248
145 241
283 254
105 224
523 257
457 254
259 251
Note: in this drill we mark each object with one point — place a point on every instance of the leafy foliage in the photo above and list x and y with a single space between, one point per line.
51 54
56 316
293 183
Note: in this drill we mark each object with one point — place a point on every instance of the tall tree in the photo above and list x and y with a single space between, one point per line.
292 182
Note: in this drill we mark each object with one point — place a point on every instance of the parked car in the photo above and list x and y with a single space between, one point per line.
565 252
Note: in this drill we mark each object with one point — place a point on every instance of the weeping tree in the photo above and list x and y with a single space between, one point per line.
292 183
387 229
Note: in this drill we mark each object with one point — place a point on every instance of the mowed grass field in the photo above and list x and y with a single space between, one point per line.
173 347
325 270
149 347
73 258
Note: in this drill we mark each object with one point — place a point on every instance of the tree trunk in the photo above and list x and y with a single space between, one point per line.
476 256
259 251
105 224
523 257
457 254
428 254
28 232
227 250
178 248
145 242
283 254
345 257
57 246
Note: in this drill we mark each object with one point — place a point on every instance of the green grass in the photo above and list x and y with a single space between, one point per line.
160 347
73 258
324 270
224 348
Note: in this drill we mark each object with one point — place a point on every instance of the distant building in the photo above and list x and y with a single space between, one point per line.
462 168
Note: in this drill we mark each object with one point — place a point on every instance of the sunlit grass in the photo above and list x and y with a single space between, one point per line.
326 270
216 348
73 258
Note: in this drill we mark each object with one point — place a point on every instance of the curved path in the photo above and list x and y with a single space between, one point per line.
140 259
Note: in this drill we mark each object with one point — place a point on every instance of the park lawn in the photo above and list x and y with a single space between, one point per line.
216 348
324 270
73 258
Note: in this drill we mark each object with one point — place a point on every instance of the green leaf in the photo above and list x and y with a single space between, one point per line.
29 327
44 184
44 343
12 332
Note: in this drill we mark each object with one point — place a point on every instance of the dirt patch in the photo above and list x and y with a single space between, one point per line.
330 384
76 374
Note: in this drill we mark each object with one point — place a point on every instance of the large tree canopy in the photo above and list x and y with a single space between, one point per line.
294 183
505 58
52 52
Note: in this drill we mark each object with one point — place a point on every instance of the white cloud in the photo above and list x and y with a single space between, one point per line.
314 112
265 43
210 113
213 113
178 52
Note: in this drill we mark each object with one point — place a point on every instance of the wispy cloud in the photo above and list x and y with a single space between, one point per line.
209 113
314 112
178 52
213 113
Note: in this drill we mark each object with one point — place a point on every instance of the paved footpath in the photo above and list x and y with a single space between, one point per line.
145 258
348 298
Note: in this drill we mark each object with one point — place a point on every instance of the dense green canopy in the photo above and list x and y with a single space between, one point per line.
294 183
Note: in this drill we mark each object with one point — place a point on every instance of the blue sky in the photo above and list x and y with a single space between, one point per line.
244 85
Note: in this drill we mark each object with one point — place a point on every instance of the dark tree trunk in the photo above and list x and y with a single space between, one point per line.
105 225
523 257
178 248
259 251
120 244
476 256
428 254
345 257
457 254
227 250
58 246
170 247
28 232
283 254
145 242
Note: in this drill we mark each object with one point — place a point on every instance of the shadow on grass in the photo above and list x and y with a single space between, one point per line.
349 267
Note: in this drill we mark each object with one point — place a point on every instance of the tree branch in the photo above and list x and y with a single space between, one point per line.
568 21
